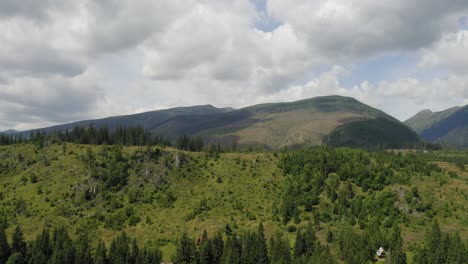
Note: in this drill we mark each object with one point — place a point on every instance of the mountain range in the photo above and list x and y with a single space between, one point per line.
333 120
448 127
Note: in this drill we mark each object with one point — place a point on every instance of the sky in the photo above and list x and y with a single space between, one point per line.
68 60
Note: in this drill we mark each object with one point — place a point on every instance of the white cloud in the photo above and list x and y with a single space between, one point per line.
27 102
449 52
345 30
185 52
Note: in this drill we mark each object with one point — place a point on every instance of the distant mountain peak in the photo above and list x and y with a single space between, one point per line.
10 132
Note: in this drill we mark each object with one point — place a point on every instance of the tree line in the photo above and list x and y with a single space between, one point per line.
252 248
57 247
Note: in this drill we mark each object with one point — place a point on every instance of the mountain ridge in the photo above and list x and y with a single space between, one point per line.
448 127
426 118
273 125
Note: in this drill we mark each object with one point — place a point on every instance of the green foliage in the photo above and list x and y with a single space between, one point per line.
186 252
334 189
441 248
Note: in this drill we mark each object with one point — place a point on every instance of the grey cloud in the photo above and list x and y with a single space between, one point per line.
53 100
40 62
345 30
115 25
30 9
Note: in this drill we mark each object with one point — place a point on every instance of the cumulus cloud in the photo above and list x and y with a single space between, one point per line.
448 52
49 100
224 52
343 29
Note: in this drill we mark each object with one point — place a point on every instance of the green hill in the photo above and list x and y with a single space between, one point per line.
156 194
374 132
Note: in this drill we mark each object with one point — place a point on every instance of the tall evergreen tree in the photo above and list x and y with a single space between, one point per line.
206 250
261 246
5 249
100 256
83 251
280 250
119 252
217 247
186 252
18 244
232 251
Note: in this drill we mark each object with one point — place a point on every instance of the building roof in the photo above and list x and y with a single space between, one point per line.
380 251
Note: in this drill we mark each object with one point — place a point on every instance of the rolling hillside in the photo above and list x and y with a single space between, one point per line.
448 127
157 194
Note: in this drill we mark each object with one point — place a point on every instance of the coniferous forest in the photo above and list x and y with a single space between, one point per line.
94 196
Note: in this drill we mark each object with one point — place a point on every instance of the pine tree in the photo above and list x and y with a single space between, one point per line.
186 252
206 250
279 250
119 252
396 256
217 247
232 251
5 249
83 252
18 243
100 256
135 252
299 246
63 248
261 246
40 249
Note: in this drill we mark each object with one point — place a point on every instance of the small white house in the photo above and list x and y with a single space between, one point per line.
381 254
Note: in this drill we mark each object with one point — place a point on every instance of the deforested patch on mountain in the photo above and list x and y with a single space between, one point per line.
372 132
426 118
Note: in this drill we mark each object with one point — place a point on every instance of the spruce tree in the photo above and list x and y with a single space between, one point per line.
186 252
232 251
261 247
279 250
206 249
100 256
83 251
217 247
119 252
5 249
18 243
